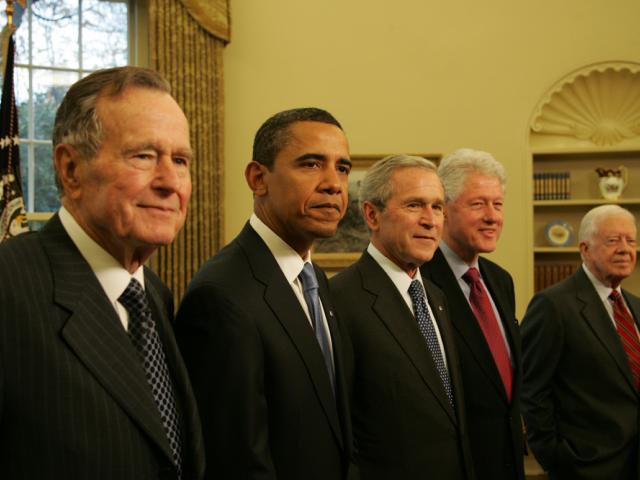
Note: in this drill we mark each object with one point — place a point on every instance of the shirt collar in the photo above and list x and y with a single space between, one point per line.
458 266
398 276
286 257
602 290
113 277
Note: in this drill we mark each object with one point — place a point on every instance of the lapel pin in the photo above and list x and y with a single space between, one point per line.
441 308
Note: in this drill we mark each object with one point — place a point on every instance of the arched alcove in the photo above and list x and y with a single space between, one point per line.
597 106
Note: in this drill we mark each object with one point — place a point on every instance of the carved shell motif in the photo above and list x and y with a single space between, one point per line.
602 106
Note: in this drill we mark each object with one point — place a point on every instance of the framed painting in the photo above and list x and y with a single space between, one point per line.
345 247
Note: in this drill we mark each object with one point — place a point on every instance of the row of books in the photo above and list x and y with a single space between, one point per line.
547 274
552 186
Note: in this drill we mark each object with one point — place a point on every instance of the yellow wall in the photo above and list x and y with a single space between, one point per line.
416 76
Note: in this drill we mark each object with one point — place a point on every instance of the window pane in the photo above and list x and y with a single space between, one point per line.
55 33
104 34
49 87
24 169
46 193
21 89
22 39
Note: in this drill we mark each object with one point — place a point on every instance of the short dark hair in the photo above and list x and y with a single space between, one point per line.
273 134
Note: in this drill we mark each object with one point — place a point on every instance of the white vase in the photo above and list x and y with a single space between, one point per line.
611 186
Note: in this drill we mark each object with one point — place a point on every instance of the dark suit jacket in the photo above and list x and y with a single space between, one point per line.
579 402
74 400
404 425
494 425
265 397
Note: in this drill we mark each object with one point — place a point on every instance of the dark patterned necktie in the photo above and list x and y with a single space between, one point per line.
628 335
481 306
428 330
144 336
310 288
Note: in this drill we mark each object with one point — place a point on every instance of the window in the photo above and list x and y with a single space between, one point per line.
57 42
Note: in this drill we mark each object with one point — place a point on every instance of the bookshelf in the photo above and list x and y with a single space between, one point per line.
553 263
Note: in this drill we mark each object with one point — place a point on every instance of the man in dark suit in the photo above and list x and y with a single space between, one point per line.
256 327
482 310
582 359
408 404
91 381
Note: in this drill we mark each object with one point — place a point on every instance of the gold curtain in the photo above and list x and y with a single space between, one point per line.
191 59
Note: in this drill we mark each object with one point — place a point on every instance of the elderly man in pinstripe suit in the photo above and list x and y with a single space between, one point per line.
92 385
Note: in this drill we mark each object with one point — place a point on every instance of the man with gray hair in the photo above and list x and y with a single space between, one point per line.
482 300
408 405
92 384
581 351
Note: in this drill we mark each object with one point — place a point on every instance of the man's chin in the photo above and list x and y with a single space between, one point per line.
326 230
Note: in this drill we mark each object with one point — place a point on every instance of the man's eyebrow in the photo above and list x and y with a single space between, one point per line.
181 152
311 156
140 146
345 161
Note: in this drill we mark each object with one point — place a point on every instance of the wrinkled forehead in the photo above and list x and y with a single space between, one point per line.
616 225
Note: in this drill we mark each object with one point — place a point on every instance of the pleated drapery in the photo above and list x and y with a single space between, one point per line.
190 57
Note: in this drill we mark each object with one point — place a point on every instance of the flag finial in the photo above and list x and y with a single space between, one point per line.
9 11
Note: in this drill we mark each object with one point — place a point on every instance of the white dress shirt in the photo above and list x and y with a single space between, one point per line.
291 264
111 275
459 267
603 292
402 280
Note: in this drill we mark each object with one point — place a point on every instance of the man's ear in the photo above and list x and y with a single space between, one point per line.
584 247
255 174
371 215
66 161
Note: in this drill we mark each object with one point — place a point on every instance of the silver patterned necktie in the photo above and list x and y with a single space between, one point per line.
144 336
428 330
310 288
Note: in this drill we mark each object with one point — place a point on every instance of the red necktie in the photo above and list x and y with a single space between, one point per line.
481 306
627 330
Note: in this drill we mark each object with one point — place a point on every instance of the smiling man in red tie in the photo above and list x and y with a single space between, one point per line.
481 296
582 359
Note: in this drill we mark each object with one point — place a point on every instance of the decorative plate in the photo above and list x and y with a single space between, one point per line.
559 233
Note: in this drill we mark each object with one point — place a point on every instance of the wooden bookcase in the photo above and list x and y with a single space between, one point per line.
551 263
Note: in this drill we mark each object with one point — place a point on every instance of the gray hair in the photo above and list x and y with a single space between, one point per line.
595 216
376 186
77 122
457 166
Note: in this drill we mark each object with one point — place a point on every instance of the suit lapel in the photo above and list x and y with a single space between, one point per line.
392 310
596 316
464 320
336 342
287 309
94 333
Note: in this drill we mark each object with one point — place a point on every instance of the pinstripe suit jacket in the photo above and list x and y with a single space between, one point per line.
74 401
